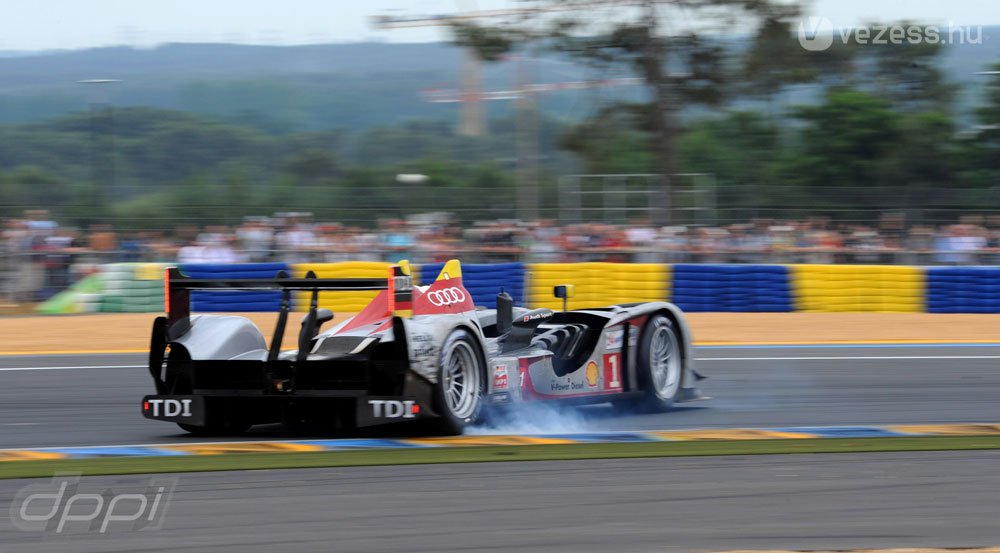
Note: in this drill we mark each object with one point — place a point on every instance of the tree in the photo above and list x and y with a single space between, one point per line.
842 151
741 149
989 114
980 155
673 45
613 141
31 187
312 168
906 73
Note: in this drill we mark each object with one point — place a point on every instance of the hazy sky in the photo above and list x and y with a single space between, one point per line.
47 24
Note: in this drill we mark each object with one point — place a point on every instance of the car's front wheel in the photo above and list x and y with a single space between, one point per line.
461 386
659 364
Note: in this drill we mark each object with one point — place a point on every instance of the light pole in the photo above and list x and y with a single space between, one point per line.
413 179
102 159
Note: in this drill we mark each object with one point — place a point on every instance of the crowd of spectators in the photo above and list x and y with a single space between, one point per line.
39 256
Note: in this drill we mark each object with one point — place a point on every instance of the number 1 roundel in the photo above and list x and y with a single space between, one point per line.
613 371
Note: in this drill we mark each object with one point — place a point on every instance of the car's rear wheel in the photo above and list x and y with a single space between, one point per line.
659 364
461 386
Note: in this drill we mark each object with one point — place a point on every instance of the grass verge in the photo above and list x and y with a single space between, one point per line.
482 454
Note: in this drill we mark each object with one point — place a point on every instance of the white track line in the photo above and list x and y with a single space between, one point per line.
852 358
72 368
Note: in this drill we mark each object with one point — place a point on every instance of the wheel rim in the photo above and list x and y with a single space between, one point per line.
461 380
664 362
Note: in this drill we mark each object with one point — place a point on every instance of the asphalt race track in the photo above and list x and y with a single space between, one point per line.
638 505
945 499
76 400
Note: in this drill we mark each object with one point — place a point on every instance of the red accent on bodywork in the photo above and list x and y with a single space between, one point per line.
527 387
540 395
166 291
390 298
380 309
422 304
374 312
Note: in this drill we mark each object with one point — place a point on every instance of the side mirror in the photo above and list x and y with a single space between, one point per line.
310 328
564 292
505 312
323 315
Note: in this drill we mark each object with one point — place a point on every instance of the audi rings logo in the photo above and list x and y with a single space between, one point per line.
446 296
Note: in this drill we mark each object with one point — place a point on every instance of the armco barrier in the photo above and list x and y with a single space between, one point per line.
963 290
340 302
597 284
855 288
234 300
732 288
484 281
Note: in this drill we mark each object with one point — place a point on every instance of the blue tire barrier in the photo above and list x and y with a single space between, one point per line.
732 288
235 300
963 290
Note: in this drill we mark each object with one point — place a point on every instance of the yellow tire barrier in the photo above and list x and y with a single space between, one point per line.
858 288
597 284
340 302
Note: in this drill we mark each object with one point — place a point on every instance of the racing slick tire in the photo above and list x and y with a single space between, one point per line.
658 365
460 391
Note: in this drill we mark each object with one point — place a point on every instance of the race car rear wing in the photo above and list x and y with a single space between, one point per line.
178 286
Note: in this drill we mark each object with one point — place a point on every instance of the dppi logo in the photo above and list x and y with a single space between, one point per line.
446 296
61 504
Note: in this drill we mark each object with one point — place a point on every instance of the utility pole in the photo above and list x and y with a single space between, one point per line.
102 143
527 148
472 118
653 59
473 112
525 96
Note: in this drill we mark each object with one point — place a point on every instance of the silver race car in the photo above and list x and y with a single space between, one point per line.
415 352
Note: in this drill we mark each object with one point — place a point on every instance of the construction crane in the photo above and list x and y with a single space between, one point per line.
527 123
472 117
453 96
472 121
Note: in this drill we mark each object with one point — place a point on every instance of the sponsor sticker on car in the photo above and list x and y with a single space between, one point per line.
183 409
536 316
614 339
394 408
592 374
500 380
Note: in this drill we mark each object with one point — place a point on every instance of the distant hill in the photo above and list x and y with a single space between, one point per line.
302 87
353 86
